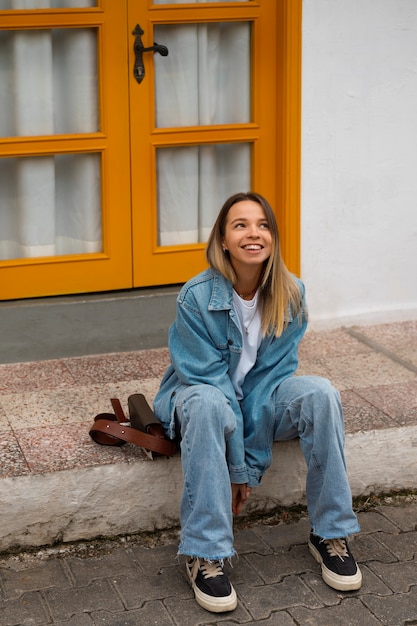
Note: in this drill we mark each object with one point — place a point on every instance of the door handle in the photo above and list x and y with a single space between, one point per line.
139 49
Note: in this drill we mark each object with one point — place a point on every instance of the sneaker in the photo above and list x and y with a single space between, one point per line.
211 585
338 567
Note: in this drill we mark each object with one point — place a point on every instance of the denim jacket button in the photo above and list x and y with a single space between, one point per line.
230 342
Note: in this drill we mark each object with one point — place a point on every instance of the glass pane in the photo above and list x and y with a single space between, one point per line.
205 79
48 82
12 5
192 184
50 205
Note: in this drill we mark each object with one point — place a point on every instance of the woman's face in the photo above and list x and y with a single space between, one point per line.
248 237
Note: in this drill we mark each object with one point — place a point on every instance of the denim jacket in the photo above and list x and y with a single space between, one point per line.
205 343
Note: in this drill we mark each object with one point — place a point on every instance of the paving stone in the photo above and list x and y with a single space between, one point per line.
277 619
373 521
284 535
395 610
152 560
152 613
28 610
79 620
118 562
368 548
326 595
403 516
243 571
136 591
397 576
273 568
249 541
403 546
262 601
350 612
64 604
16 582
189 613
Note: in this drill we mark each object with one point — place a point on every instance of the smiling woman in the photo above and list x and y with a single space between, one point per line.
230 392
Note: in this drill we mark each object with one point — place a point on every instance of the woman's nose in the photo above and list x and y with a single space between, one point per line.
253 231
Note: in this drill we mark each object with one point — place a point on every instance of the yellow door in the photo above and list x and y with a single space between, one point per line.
65 211
204 119
115 160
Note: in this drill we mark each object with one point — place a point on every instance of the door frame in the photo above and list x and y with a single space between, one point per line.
280 130
25 278
289 132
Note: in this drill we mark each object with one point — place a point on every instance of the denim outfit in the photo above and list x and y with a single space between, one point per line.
224 440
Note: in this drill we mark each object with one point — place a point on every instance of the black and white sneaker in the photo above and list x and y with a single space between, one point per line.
338 567
211 585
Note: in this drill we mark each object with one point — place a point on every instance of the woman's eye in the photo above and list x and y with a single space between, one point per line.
265 225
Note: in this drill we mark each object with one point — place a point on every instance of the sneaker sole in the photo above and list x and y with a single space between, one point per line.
213 603
340 583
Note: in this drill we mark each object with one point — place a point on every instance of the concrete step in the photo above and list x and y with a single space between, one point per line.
56 484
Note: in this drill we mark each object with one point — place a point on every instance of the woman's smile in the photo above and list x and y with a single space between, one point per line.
248 237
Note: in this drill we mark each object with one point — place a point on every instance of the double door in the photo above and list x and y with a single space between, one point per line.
127 124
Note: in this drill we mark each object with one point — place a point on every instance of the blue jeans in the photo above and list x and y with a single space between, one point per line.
307 407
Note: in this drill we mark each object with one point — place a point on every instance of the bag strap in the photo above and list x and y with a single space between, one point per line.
118 409
107 431
103 426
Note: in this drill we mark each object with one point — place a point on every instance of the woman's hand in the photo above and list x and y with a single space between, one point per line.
240 493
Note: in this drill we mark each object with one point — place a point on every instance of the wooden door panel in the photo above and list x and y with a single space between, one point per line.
153 263
110 268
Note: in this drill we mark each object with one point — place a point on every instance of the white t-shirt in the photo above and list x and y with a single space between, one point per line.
249 314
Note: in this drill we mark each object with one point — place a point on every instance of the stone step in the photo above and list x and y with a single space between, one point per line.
56 484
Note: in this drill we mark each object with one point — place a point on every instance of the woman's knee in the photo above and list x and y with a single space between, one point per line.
311 398
304 386
207 405
201 393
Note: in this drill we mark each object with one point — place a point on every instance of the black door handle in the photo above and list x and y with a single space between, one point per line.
139 49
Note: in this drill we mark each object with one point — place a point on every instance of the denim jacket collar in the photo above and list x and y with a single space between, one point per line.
222 293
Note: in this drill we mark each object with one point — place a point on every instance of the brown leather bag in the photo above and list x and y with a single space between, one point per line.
142 428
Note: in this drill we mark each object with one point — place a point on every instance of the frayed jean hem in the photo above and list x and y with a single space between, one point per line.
206 557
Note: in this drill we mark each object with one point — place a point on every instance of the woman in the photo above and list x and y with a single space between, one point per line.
230 392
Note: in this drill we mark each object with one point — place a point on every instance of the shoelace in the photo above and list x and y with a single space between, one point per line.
211 569
336 547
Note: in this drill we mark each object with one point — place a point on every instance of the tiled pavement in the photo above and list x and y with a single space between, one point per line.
45 410
130 583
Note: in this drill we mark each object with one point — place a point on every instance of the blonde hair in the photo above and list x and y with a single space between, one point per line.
279 291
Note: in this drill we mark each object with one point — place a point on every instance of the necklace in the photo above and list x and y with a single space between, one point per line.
248 311
246 296
246 327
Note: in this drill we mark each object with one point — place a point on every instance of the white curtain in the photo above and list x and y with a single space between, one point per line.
204 80
49 205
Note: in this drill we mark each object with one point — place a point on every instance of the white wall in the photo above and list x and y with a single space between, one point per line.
359 160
